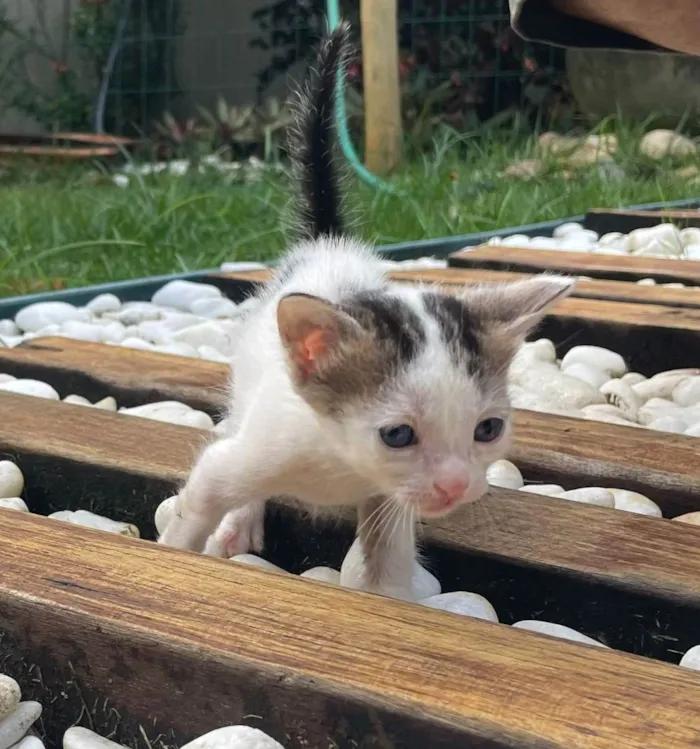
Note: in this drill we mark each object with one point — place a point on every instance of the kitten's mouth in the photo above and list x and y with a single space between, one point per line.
438 508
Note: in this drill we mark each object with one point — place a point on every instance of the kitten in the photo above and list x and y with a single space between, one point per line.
350 390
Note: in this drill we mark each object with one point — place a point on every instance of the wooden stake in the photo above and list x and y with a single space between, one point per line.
380 63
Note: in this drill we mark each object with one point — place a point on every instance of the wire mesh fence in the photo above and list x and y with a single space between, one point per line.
459 60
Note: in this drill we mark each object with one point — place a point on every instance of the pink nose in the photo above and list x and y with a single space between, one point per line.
451 489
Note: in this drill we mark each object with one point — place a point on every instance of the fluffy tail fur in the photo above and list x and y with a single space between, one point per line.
319 206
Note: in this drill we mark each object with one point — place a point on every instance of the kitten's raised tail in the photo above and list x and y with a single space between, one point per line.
312 143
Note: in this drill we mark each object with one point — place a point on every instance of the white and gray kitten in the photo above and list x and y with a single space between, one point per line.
351 390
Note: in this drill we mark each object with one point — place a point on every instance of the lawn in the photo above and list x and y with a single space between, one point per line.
64 227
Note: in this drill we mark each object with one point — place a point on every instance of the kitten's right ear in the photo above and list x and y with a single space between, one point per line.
312 330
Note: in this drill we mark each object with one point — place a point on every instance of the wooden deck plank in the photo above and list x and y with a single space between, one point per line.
612 267
572 452
318 663
98 452
612 291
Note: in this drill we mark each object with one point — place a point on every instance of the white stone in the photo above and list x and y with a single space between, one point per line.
77 400
171 412
104 303
690 235
514 240
36 316
634 502
9 327
30 387
659 248
177 349
214 307
691 518
13 503
504 474
659 143
671 424
621 395
586 373
553 387
323 574
687 392
134 313
632 378
241 266
180 294
612 238
567 228
693 430
255 561
11 479
596 356
461 602
691 659
211 333
83 331
107 404
83 738
542 350
605 412
7 378
232 737
63 515
29 742
164 330
13 340
692 252
137 343
590 495
646 282
424 583
548 490
91 520
10 695
18 722
164 512
557 630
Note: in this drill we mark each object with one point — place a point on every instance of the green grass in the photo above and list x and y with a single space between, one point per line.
71 227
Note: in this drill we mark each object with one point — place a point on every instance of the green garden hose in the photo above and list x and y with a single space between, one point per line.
346 146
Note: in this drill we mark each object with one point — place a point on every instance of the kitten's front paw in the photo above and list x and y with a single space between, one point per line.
240 532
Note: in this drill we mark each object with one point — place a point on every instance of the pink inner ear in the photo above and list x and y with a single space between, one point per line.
309 348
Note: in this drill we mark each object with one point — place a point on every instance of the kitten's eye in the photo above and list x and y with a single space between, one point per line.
489 430
398 436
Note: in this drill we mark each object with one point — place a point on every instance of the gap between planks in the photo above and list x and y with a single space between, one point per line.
549 448
136 619
648 556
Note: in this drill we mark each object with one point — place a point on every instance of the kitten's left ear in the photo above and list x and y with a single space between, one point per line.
521 305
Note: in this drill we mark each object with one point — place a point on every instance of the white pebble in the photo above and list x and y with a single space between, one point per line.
30 387
171 412
77 400
504 474
514 240
691 518
241 266
137 343
11 479
621 395
9 327
632 378
10 695
424 583
36 316
548 490
567 228
177 349
646 282
557 630
256 561
7 378
232 737
164 512
612 238
461 602
322 574
181 294
687 392
590 495
83 331
106 404
671 424
134 313
13 503
634 502
211 333
91 520
211 354
605 412
214 307
585 372
691 659
18 722
104 303
29 742
82 738
595 356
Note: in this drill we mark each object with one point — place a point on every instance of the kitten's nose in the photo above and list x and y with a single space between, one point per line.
451 489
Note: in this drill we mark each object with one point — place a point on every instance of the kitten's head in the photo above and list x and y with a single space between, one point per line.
412 383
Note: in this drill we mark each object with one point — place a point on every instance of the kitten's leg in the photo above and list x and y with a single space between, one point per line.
383 557
227 476
240 531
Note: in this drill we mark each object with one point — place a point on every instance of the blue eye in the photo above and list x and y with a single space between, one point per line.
488 430
398 436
